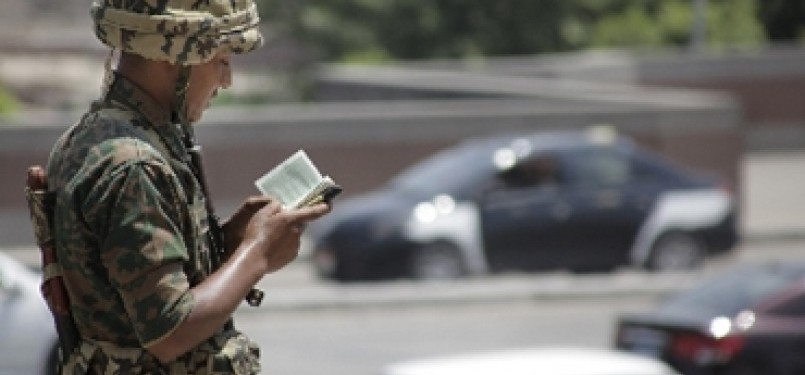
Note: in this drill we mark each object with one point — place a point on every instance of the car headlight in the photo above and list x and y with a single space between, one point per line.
429 211
720 326
745 319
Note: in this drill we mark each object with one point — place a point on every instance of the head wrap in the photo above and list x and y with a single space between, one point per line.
181 32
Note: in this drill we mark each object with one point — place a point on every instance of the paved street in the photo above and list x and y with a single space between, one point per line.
360 342
552 309
297 288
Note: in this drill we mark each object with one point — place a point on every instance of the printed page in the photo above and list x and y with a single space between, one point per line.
291 180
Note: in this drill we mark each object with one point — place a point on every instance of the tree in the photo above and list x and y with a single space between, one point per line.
783 20
381 30
8 103
415 29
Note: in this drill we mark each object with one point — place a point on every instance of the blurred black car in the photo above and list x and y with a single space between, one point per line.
750 321
585 200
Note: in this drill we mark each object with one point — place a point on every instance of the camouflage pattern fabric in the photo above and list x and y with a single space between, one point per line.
129 226
227 353
178 31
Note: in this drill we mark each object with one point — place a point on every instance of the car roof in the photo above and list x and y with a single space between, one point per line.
549 140
736 289
479 152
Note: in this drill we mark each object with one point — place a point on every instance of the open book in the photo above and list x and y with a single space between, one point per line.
296 182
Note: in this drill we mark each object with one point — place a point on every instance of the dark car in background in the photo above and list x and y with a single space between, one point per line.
750 321
578 200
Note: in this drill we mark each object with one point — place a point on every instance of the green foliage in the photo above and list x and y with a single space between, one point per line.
733 23
783 20
631 27
670 23
415 29
8 103
382 30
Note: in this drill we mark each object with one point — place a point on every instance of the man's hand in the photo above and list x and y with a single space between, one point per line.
261 221
266 238
276 233
235 226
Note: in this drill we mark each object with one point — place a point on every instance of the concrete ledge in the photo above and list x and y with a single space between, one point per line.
544 286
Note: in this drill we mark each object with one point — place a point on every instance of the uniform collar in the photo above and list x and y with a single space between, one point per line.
125 93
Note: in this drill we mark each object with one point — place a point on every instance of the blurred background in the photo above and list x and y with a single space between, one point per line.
370 87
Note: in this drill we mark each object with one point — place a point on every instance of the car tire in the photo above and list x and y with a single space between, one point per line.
438 261
675 251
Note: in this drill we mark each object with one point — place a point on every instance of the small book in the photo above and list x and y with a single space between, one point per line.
296 182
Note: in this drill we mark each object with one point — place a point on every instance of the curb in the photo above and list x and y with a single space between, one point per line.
774 236
504 288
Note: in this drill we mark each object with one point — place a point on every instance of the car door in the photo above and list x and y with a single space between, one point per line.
523 216
607 205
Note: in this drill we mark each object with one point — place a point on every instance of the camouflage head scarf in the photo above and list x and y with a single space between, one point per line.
181 32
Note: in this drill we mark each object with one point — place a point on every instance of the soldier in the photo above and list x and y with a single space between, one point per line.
153 279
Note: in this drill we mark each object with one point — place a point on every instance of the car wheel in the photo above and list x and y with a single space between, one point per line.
675 251
439 261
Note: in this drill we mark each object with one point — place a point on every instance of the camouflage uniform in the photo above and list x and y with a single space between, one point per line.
130 224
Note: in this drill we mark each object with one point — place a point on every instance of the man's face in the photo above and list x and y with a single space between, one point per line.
205 80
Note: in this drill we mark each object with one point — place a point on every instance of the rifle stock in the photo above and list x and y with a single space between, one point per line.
40 204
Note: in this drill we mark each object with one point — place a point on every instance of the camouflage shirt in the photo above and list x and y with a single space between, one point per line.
130 228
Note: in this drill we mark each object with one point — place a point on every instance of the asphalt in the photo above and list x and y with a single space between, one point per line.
773 225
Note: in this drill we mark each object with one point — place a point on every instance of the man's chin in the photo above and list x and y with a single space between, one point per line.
194 117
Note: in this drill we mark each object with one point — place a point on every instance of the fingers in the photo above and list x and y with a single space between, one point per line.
308 213
256 202
292 221
259 200
276 231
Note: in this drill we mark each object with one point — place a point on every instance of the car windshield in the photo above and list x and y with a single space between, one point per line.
735 291
450 171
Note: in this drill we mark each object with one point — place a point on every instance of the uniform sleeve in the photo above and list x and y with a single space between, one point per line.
141 244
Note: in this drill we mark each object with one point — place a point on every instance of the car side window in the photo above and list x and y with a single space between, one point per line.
645 171
651 167
600 167
539 170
